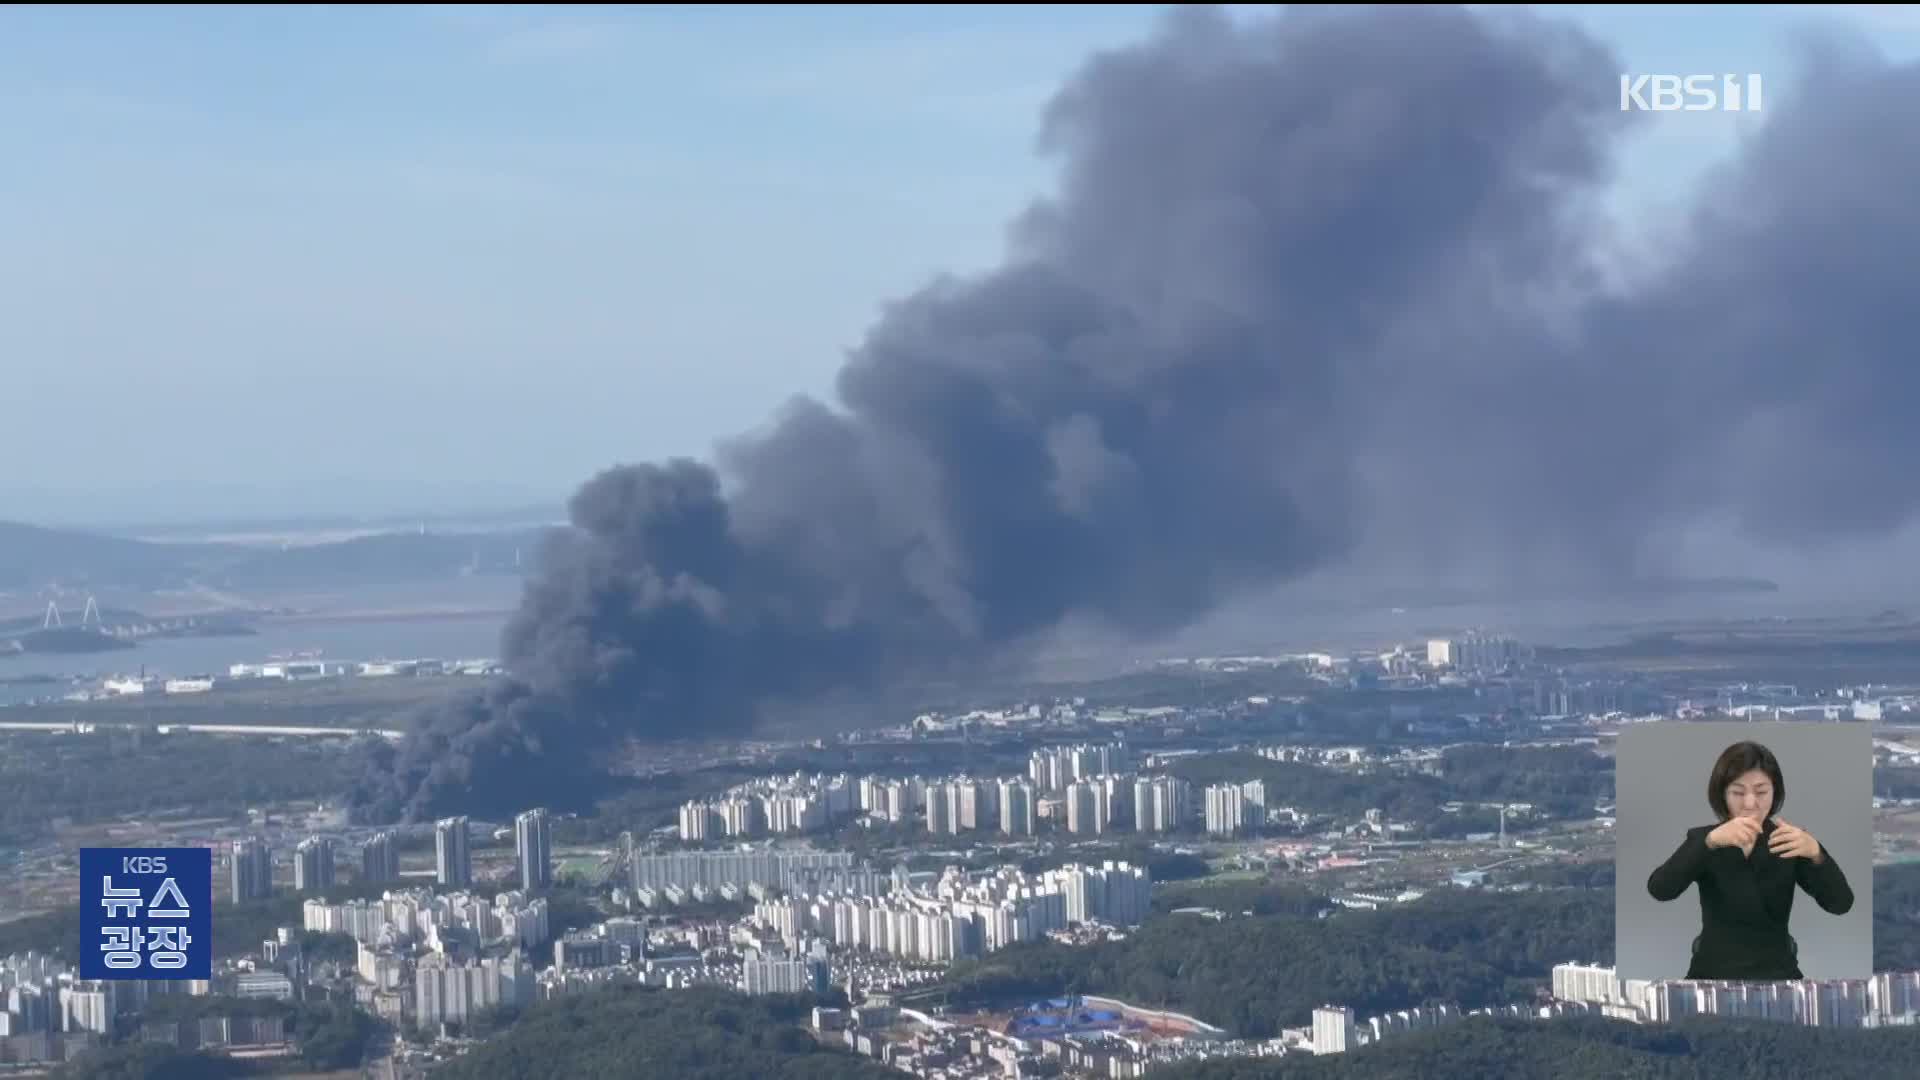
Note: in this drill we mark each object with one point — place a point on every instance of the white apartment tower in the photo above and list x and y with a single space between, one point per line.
1016 808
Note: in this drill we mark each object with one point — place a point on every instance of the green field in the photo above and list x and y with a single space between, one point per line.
579 865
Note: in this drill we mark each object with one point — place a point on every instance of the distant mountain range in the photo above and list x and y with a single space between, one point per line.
334 554
33 557
477 520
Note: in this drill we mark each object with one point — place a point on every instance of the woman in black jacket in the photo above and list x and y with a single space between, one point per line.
1747 868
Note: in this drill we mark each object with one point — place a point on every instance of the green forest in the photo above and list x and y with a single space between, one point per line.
1592 1048
131 775
1468 947
1257 975
695 1034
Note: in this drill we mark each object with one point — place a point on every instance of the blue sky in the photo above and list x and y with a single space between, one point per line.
263 261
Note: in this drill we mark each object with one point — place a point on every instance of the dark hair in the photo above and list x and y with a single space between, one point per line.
1736 761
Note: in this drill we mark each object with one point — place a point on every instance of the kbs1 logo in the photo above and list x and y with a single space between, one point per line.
1690 93
146 913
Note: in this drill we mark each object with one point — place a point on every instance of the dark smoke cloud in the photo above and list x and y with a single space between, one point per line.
1314 288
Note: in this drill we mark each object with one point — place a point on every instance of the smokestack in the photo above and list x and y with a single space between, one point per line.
1319 289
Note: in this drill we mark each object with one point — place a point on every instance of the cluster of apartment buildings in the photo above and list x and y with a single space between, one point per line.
778 805
1872 1002
434 958
1886 998
250 860
1335 1030
45 996
1084 790
450 991
674 879
778 971
1475 653
432 918
1092 805
49 1014
532 844
960 914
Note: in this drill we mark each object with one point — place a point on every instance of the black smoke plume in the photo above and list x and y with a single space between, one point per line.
1320 284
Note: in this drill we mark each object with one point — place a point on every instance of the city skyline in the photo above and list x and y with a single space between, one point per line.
788 905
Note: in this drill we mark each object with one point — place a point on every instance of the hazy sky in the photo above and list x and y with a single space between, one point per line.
312 260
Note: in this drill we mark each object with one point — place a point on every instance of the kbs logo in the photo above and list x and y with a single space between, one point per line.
1689 93
146 913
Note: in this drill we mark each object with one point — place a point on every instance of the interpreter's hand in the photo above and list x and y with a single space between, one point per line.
1735 832
1793 842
